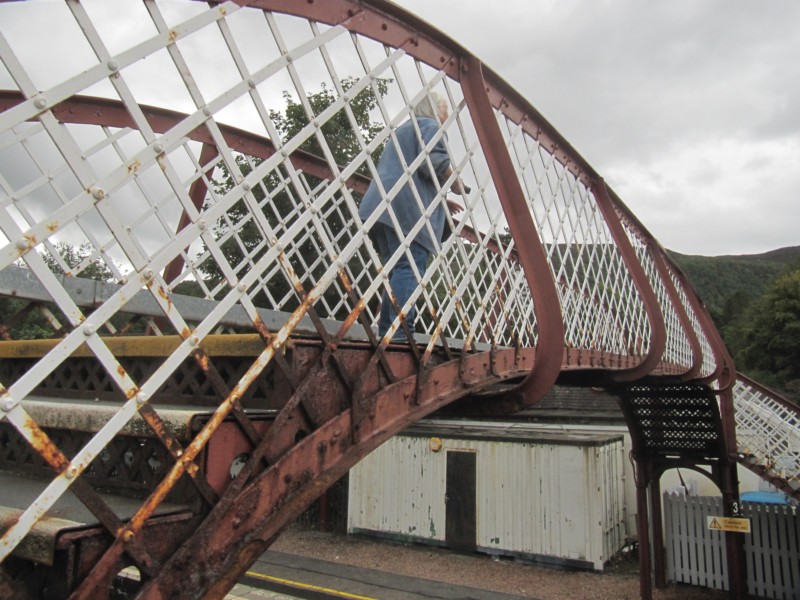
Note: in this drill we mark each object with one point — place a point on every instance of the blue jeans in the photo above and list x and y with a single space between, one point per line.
401 278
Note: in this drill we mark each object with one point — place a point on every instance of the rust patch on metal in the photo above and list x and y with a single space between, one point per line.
45 447
262 328
166 296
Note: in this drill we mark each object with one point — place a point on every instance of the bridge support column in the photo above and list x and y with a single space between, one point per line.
734 542
659 559
643 532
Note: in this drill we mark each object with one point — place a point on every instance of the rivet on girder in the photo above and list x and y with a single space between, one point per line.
202 225
8 404
71 473
23 244
88 330
242 288
98 193
40 103
148 274
159 148
207 111
246 186
141 398
113 66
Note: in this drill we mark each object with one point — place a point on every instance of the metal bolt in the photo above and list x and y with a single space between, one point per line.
71 473
202 225
242 288
159 148
148 274
8 404
207 111
88 330
40 103
246 186
251 83
140 398
98 193
23 244
128 536
112 65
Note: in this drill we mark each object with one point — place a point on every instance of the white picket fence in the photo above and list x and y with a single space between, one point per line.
696 555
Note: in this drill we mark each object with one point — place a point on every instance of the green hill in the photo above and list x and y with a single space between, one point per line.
728 283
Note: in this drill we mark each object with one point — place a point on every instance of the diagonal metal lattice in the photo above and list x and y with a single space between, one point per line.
179 194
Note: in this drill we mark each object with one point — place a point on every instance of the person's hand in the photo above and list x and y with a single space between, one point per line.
461 188
454 207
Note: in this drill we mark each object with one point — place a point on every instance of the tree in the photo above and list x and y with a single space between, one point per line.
78 262
767 344
19 320
241 239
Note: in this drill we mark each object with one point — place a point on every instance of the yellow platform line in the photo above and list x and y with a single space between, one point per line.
307 586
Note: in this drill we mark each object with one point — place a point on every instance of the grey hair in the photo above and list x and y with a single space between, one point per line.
425 108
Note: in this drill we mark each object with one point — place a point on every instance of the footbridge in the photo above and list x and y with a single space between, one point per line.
189 299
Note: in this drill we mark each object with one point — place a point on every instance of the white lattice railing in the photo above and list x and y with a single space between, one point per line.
768 431
157 138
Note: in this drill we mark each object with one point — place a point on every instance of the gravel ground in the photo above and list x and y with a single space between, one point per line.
619 582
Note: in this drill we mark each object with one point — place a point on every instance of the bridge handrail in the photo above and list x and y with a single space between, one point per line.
768 430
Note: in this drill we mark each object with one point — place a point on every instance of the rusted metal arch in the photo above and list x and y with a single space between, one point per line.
245 521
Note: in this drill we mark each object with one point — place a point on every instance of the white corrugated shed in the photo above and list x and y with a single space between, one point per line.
539 495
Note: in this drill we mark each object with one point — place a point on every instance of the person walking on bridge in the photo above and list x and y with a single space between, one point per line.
406 199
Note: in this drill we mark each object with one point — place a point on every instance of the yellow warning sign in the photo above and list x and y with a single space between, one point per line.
728 524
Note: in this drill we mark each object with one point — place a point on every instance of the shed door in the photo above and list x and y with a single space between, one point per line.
460 499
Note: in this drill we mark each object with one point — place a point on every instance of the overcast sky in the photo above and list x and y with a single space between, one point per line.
690 109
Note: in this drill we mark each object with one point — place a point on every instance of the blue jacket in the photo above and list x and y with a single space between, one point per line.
404 204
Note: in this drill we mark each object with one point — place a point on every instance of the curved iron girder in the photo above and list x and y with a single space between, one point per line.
697 352
239 529
725 370
530 251
90 110
658 331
